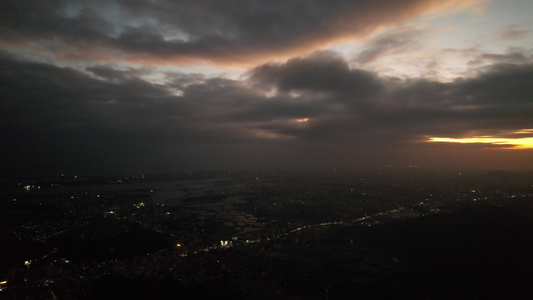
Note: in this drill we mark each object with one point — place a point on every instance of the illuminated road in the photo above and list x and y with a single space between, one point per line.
228 245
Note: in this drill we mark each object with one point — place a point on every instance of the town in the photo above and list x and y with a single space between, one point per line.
287 233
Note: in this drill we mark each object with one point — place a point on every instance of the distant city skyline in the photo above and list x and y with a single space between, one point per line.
108 87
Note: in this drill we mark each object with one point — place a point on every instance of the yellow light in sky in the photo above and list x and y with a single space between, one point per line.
514 143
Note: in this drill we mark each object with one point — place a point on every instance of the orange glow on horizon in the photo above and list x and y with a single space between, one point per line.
513 143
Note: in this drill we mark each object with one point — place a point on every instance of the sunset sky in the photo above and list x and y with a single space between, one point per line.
103 87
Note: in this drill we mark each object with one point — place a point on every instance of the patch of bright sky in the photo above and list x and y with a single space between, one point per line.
159 74
347 48
154 74
452 40
207 70
478 30
469 29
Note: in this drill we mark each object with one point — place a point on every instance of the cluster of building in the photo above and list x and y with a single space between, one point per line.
250 215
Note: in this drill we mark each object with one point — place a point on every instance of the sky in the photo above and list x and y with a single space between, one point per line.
144 86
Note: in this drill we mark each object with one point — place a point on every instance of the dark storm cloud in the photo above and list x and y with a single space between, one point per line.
48 98
54 116
321 72
110 74
106 118
498 99
217 30
505 85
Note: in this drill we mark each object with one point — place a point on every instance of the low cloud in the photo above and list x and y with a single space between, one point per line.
512 56
320 72
103 118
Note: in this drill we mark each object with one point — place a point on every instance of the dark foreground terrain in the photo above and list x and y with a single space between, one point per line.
475 253
279 237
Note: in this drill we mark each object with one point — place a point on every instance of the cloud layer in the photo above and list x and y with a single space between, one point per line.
176 31
138 86
312 110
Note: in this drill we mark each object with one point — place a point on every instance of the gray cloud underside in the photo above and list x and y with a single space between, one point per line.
512 32
61 115
226 30
397 40
513 56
